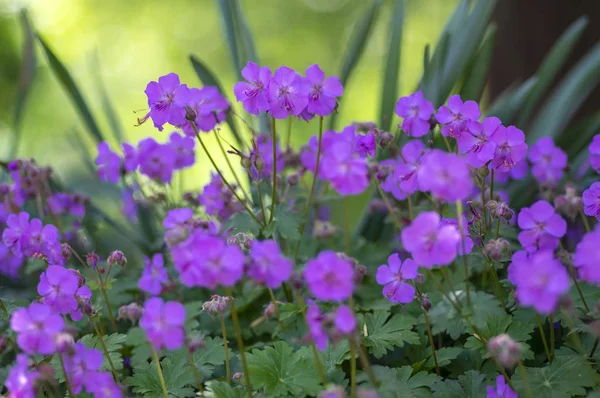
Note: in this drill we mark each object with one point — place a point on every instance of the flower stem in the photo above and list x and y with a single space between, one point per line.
347 225
260 200
161 378
543 335
364 361
352 369
503 371
575 336
276 307
586 223
594 347
226 347
318 364
109 310
410 207
574 278
289 133
240 341
212 161
459 216
388 204
312 188
197 376
498 229
492 186
525 379
274 193
447 143
237 179
101 340
429 334
551 322
64 369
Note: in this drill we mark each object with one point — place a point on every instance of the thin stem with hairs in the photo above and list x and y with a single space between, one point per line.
161 377
240 341
237 179
226 348
318 364
461 226
543 335
274 192
104 348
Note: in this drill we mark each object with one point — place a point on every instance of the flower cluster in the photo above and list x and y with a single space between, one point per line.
64 290
163 323
331 326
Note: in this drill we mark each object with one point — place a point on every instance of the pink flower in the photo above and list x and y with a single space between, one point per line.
455 116
477 141
394 276
322 91
416 112
253 93
162 100
287 93
163 323
268 265
548 161
330 277
542 227
510 148
591 201
445 175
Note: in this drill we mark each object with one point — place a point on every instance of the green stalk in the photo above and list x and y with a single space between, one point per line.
274 193
586 223
237 179
276 307
525 379
352 369
347 225
225 346
197 376
543 335
410 207
212 161
161 377
459 216
551 322
110 313
429 334
101 340
67 381
289 133
240 341
312 188
260 200
318 364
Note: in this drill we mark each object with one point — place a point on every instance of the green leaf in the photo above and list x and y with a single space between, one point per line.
26 77
470 385
113 342
282 372
208 79
109 110
356 45
220 389
229 26
567 97
242 222
510 101
66 80
476 75
402 382
287 222
496 325
141 352
579 136
567 376
177 374
80 146
209 356
444 356
389 94
334 355
551 65
385 332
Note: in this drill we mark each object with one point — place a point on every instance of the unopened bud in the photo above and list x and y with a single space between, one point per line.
237 377
505 349
259 162
496 248
296 281
217 304
324 229
359 273
117 258
333 392
483 171
194 344
64 342
246 162
92 260
293 179
190 114
269 311
384 138
425 302
503 211
491 205
420 279
130 312
65 251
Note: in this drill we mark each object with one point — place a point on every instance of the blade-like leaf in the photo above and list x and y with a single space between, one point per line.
79 144
551 65
109 110
66 80
389 94
25 79
509 102
579 136
567 97
209 79
356 45
433 74
476 75
229 26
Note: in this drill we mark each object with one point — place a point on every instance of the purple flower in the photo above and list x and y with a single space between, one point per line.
510 148
253 93
540 280
218 201
154 275
314 319
264 148
9 263
548 161
208 104
287 93
130 157
455 116
157 161
344 321
21 381
416 112
366 145
502 389
329 277
468 242
322 92
591 201
587 257
445 175
430 241
595 153
394 276
83 295
104 386
64 203
268 265
207 261
163 323
82 366
178 218
15 235
542 227
163 100
477 141
184 150
57 287
406 173
109 164
36 327
308 154
129 207
343 167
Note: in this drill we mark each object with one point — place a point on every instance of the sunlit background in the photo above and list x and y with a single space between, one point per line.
123 45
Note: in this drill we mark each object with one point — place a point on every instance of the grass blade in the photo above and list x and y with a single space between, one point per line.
389 94
26 78
208 79
78 143
476 75
580 135
229 26
567 97
551 65
356 45
66 80
510 101
109 111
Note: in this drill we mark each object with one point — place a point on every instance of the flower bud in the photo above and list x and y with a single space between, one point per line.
384 138
483 171
491 205
333 392
190 114
194 344
296 281
362 392
237 377
420 279
496 248
92 260
269 311
117 257
217 305
293 179
569 203
359 273
65 251
64 342
246 162
324 229
259 162
131 312
503 211
505 349
425 302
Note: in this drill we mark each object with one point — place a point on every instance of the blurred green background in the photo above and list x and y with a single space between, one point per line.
125 44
